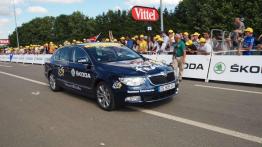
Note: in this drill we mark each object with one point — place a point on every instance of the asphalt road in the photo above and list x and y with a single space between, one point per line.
202 115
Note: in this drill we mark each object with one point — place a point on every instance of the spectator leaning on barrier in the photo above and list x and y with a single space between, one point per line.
142 46
195 39
190 48
204 48
171 41
259 43
107 40
239 26
115 41
130 42
179 55
248 42
237 33
185 37
136 47
160 43
156 46
123 40
165 42
207 37
150 43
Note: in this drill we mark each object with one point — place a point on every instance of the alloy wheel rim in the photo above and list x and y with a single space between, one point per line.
52 82
103 96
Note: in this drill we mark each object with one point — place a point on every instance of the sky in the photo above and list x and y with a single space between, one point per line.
27 10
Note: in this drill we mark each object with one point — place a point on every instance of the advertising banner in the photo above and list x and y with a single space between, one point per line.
29 58
196 66
4 58
242 69
15 58
144 13
39 59
4 41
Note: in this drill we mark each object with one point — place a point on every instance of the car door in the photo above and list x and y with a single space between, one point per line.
81 70
61 65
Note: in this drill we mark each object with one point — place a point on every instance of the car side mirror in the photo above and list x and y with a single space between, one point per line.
85 62
82 61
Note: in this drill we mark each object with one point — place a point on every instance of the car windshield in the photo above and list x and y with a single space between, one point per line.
113 54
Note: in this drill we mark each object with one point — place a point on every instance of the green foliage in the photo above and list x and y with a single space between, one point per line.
204 15
189 15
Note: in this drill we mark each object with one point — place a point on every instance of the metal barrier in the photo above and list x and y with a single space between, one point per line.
243 69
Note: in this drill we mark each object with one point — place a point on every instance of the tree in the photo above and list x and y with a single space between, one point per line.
37 31
189 15
203 15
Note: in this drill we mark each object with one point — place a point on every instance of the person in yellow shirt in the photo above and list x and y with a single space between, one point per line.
51 48
142 45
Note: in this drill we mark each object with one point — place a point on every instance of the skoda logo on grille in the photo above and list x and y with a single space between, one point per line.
164 74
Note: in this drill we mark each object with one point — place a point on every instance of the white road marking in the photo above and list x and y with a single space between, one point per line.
213 128
36 93
23 78
228 89
5 62
6 66
204 126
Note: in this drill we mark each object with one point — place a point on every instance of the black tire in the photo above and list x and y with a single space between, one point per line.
105 97
52 83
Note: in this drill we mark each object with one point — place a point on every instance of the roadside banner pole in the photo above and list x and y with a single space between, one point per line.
17 38
161 15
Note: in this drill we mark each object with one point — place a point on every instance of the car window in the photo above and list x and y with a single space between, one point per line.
66 54
112 54
80 54
57 55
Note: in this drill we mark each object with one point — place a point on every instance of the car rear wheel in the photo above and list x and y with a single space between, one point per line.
52 83
105 97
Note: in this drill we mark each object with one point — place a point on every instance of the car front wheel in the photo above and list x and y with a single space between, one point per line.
105 97
52 83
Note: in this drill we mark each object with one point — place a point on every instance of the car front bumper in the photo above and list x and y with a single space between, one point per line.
144 95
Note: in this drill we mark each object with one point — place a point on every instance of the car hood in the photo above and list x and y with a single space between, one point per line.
136 67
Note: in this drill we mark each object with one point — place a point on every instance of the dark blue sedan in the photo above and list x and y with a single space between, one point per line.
111 73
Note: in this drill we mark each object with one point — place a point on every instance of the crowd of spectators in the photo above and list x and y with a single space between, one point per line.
241 40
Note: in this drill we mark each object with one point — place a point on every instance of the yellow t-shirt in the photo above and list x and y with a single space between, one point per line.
142 46
51 49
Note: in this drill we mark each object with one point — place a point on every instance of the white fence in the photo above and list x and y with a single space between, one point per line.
242 69
33 59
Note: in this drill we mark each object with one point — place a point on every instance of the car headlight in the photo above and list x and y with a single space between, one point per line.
132 81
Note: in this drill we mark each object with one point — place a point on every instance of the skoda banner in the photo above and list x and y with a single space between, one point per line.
196 65
242 69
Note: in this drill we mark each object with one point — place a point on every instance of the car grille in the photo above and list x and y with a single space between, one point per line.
159 96
161 79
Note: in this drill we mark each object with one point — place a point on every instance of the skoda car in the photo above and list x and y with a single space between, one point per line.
111 73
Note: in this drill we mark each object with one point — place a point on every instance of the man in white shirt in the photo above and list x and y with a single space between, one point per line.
165 42
204 48
207 37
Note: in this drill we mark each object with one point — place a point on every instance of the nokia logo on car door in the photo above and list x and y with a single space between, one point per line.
76 73
245 69
194 66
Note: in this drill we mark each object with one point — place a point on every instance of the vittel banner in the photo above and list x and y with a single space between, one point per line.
145 14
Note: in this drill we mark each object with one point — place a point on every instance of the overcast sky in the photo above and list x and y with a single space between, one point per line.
29 9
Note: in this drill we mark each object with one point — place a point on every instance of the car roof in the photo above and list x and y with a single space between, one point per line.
99 44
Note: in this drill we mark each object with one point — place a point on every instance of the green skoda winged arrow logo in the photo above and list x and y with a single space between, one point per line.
219 68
